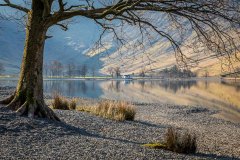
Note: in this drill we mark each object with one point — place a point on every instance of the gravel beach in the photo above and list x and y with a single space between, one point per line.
82 135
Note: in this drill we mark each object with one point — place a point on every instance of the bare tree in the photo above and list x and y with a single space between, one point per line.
56 68
78 70
117 71
110 71
206 73
46 69
84 70
2 69
142 73
214 22
93 71
71 69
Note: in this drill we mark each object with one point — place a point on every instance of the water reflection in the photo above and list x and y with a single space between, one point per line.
177 85
73 88
171 86
232 84
214 94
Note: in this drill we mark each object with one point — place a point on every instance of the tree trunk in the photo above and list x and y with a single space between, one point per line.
28 98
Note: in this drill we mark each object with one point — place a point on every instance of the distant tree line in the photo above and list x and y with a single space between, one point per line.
114 71
2 69
174 71
56 68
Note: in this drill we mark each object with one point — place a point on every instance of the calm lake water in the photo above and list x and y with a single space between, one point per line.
215 94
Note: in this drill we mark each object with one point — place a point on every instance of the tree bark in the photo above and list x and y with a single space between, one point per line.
28 98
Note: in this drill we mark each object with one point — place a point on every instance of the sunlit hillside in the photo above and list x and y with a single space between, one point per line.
155 59
153 55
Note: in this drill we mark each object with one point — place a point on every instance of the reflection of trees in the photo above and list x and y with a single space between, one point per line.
84 87
235 85
93 86
110 87
53 87
168 85
118 86
206 84
177 85
71 88
238 88
115 86
142 83
127 81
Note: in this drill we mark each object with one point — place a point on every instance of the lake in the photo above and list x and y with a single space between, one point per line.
216 94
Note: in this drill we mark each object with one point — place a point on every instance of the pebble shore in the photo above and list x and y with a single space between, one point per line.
85 136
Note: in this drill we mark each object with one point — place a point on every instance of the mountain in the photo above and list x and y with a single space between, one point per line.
64 47
151 53
154 52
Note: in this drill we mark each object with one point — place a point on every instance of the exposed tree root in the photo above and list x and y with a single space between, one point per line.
8 99
24 107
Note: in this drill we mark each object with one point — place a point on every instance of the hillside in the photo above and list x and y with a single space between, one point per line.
76 46
63 47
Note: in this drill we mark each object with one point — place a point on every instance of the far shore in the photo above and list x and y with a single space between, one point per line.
215 78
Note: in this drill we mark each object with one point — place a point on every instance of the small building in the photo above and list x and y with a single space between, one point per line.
127 76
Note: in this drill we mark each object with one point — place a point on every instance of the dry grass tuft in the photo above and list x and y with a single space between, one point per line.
72 104
85 108
176 142
180 143
116 110
60 102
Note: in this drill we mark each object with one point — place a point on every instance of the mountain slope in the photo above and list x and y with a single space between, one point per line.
151 54
63 47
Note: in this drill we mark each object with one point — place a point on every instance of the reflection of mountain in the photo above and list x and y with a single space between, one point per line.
208 94
224 96
232 84
73 88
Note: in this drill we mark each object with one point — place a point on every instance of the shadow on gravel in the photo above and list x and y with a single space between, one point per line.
150 124
83 132
214 156
43 131
10 123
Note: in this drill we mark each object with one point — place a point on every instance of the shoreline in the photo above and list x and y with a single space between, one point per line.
221 113
214 78
85 136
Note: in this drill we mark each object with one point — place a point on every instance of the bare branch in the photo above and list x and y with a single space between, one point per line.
18 7
63 26
61 5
